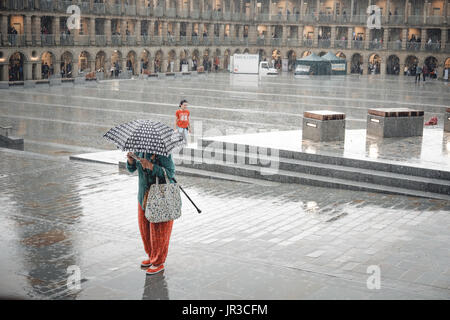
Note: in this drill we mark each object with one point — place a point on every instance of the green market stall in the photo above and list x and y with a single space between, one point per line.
312 65
338 65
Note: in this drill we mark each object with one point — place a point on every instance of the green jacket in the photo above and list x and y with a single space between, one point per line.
148 177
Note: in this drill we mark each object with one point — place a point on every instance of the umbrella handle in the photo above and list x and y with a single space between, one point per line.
198 210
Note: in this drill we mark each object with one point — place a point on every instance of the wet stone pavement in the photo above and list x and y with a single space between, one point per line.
250 242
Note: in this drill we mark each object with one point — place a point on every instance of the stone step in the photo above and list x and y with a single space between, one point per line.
377 165
284 176
335 171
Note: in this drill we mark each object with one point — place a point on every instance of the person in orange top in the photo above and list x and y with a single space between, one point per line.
182 121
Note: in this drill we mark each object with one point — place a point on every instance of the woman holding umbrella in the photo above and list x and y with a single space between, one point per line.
155 236
150 144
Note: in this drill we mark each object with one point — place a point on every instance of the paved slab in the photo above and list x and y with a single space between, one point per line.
284 242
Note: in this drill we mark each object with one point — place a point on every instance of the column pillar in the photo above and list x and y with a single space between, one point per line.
189 32
108 31
349 37
300 34
92 31
222 32
37 30
445 11
404 38
57 67
316 37
151 28
301 10
352 8
232 32
385 38
177 32
406 10
252 34
123 30
164 31
137 32
284 35
423 36
5 72
211 32
4 29
444 34
317 9
56 30
368 38
333 35
74 67
28 31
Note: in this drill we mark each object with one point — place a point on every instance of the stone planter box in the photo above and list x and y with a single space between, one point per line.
395 122
323 125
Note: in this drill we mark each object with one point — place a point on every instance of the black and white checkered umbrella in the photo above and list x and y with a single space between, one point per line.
145 136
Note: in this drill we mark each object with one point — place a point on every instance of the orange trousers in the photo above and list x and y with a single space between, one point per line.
155 236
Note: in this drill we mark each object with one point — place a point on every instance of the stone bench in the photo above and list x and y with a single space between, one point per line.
395 122
323 125
447 120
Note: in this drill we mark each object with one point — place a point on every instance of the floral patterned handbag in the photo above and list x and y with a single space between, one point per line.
164 201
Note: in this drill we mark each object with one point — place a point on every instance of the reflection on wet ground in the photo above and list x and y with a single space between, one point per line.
251 241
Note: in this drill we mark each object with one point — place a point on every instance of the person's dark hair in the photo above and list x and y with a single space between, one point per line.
181 103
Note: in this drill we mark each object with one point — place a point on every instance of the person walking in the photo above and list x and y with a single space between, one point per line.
418 73
424 72
155 236
182 120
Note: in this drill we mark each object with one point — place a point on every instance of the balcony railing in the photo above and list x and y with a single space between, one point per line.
47 40
13 5
45 5
226 15
309 17
437 20
130 40
63 5
433 47
216 15
415 20
357 44
183 41
293 17
340 44
308 42
66 40
375 46
292 42
345 18
145 40
195 14
16 40
99 8
195 40
115 9
159 11
395 45
85 7
130 10
226 40
206 14
171 12
324 43
278 17
275 41
235 16
325 18
413 46
205 41
261 41
262 17
157 41
217 41
183 13
116 40
100 40
83 40
358 19
394 20
447 48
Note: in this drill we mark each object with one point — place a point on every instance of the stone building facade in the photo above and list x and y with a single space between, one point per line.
34 33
